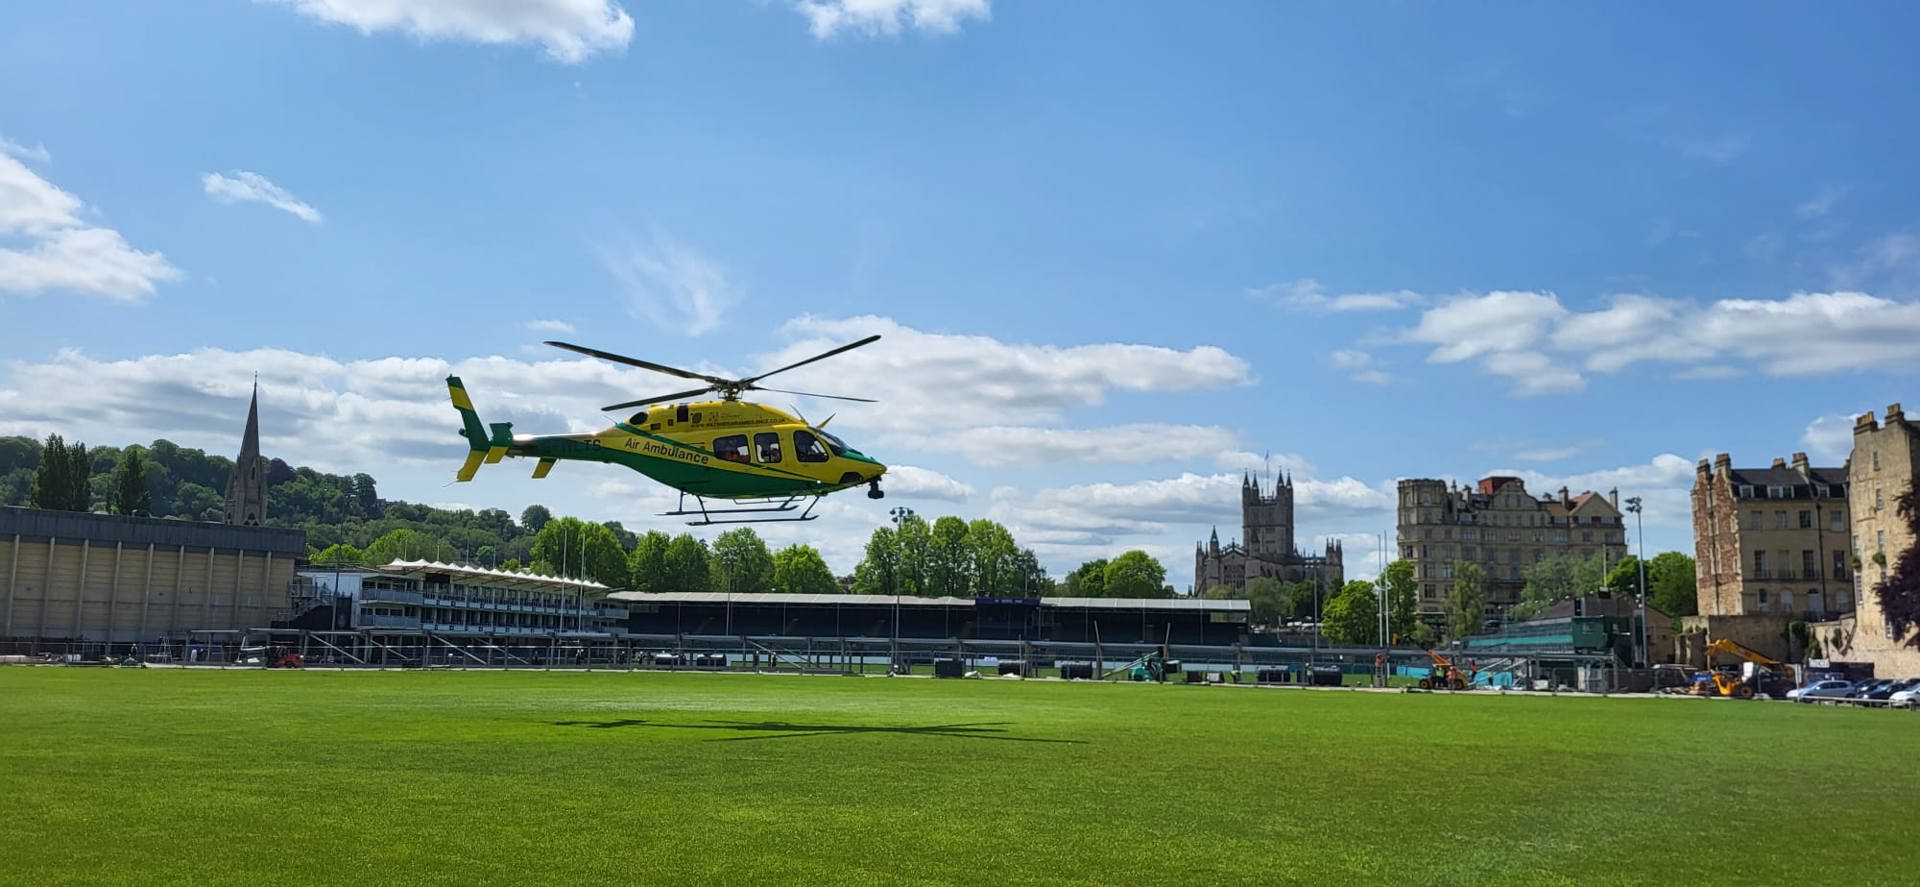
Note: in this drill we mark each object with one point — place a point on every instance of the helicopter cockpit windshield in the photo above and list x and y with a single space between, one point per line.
838 446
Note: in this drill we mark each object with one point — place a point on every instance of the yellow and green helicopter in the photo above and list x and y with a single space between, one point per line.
762 460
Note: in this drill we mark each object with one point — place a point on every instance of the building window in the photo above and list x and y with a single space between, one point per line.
1763 597
1879 501
1758 521
1806 520
1539 536
1760 564
1779 520
1839 522
1467 553
1839 565
1586 535
1776 492
1746 491
1426 533
1822 490
1882 541
1809 565
1876 461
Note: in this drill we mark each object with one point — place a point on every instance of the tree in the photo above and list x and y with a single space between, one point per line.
130 494
1624 578
992 552
1268 598
879 571
79 479
1135 574
949 559
572 547
408 544
1899 588
1557 579
1467 609
1671 584
913 538
1353 617
686 566
1088 579
535 517
741 562
1403 605
1032 577
366 496
50 484
338 555
647 564
799 569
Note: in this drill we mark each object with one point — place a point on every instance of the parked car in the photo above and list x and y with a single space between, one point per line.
1888 688
1861 691
1825 691
1908 698
1819 689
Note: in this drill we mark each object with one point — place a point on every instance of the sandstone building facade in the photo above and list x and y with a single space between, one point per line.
1886 458
1267 547
1772 540
1501 527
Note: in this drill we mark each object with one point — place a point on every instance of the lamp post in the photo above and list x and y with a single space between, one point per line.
900 513
1640 607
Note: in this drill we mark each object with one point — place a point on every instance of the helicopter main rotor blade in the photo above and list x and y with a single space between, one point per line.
811 394
677 395
821 356
636 362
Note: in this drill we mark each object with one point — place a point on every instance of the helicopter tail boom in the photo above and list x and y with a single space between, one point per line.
481 446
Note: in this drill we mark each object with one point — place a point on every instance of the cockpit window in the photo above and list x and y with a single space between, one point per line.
807 448
639 418
839 446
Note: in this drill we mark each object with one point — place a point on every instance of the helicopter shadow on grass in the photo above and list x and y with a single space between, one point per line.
751 730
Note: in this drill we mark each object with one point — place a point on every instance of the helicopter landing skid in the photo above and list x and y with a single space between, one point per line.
710 516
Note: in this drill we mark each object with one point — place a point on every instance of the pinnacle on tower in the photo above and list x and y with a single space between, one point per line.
247 486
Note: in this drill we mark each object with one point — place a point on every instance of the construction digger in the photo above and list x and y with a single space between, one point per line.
1445 675
1760 675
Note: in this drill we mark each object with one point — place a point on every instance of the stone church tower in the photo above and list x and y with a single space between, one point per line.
1266 521
247 486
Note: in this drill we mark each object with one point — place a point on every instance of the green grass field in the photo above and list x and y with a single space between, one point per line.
157 776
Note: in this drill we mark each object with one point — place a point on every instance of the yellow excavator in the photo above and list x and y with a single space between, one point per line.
1761 675
1445 675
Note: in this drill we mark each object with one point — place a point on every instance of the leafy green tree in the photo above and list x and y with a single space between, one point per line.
572 547
1557 579
1135 574
535 518
741 562
1671 584
799 569
1031 576
1268 598
1467 608
879 571
1353 617
338 555
51 485
647 563
949 559
408 544
993 553
1402 599
130 494
79 479
913 537
686 566
1087 580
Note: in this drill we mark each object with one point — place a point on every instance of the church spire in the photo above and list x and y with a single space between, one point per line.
247 486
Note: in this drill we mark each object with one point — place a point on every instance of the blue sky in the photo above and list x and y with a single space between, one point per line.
1119 252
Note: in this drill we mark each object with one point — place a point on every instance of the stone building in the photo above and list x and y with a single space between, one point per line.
1885 460
1771 540
247 486
1498 525
1267 547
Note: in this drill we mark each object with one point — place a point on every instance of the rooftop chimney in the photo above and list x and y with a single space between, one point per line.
1564 498
1865 422
1800 462
1894 414
1779 462
1722 462
1613 497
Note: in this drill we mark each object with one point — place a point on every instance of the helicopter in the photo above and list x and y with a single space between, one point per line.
761 461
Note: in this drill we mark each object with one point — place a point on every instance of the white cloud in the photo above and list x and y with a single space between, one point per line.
871 18
251 187
1309 294
1891 262
1533 340
1361 366
1822 203
671 285
550 326
1709 373
36 153
46 245
914 482
915 374
1001 445
1829 439
570 30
